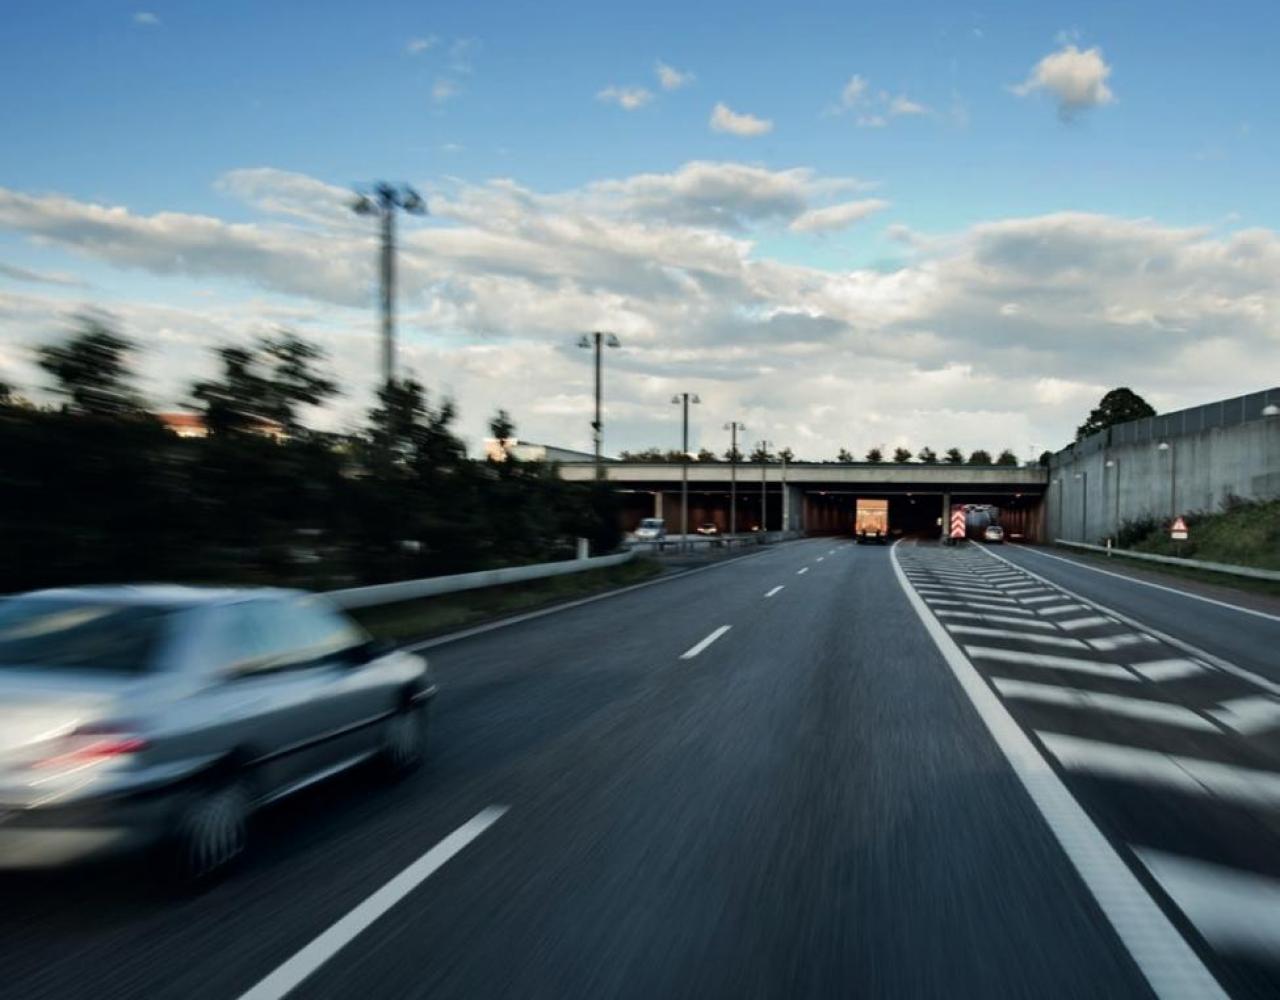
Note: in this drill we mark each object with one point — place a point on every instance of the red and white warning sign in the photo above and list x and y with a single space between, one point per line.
1179 530
957 522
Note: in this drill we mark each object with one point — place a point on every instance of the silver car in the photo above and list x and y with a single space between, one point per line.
163 716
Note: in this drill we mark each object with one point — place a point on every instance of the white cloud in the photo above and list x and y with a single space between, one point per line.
146 18
994 331
725 120
444 90
417 46
672 78
627 98
30 276
822 220
873 109
1076 80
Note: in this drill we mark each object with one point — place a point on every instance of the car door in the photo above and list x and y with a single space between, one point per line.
351 696
281 682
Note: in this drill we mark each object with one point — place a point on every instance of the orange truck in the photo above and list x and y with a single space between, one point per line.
871 521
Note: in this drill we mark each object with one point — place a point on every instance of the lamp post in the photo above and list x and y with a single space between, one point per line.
1084 504
684 398
733 427
1173 482
1114 463
383 202
599 340
764 489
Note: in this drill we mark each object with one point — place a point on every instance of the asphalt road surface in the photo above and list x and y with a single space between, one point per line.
822 770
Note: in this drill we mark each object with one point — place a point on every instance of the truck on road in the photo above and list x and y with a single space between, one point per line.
871 520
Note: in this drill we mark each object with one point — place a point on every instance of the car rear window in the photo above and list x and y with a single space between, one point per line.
56 634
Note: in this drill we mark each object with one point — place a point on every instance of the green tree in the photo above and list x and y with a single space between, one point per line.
980 456
875 456
1045 458
901 456
844 456
732 455
6 394
707 455
92 369
760 454
1007 457
928 456
787 455
954 456
1117 407
502 429
263 385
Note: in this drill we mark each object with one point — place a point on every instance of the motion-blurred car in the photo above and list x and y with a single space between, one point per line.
707 529
651 529
155 716
993 533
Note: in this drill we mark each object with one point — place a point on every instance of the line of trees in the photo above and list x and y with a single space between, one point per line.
98 488
926 456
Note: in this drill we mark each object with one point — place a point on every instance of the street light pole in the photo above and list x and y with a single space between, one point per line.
1084 504
1114 464
733 427
383 202
684 398
1173 482
764 489
599 340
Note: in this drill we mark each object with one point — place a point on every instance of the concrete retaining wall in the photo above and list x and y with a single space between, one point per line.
1210 453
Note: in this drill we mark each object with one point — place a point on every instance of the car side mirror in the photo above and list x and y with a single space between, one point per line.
369 650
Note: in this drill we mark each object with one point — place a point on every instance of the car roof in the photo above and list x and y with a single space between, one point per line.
160 594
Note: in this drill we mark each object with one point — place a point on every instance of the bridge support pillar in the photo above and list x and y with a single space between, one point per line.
944 532
657 504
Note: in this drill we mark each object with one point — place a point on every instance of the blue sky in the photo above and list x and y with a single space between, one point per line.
149 106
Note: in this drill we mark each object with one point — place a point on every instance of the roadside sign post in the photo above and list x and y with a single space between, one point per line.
1178 532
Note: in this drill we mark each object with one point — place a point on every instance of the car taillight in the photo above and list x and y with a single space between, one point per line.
81 748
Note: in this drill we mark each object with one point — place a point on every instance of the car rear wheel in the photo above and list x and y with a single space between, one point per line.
211 833
404 740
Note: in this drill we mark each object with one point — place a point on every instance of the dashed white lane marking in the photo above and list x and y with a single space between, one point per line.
1060 642
1111 642
820 558
291 974
1002 619
1250 716
1169 964
1234 911
1051 662
1090 621
1192 775
1133 708
1168 670
694 650
802 571
774 591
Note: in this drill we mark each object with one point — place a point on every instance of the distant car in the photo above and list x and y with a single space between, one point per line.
651 529
993 533
133 717
707 529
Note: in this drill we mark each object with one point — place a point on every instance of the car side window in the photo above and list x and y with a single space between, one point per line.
316 630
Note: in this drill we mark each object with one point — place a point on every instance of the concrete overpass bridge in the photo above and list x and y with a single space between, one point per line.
818 497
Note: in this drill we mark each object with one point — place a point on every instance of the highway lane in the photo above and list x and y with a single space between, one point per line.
1240 635
808 805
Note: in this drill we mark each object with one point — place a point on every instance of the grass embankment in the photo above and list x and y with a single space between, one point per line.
1244 533
435 615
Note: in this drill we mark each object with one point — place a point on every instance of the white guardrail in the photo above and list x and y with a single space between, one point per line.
409 590
1216 567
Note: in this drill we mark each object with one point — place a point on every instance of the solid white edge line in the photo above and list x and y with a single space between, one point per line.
774 590
1186 647
467 633
295 970
1147 583
693 651
1161 954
